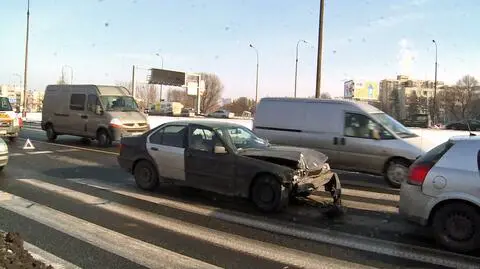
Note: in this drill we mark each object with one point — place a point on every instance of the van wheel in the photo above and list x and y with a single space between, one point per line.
456 227
51 135
269 195
397 172
146 176
103 138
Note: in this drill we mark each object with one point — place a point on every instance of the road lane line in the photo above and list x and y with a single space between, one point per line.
359 205
67 150
233 242
47 257
379 246
135 250
373 194
74 161
15 154
39 152
72 147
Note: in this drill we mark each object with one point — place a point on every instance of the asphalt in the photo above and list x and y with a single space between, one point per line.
369 211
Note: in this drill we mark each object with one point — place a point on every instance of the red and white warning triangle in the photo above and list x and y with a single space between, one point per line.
28 144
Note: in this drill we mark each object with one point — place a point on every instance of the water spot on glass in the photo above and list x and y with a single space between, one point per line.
107 24
334 51
227 28
55 54
106 74
217 57
349 40
364 40
94 45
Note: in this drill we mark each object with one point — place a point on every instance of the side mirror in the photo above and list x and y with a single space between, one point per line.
98 110
219 150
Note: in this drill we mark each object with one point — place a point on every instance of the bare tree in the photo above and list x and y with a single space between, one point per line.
180 95
240 105
459 99
212 94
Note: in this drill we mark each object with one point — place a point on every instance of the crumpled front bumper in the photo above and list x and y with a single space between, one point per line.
329 180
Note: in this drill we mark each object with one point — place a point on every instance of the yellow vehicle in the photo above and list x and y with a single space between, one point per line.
10 122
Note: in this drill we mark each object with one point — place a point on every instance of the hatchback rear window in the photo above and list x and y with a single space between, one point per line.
435 154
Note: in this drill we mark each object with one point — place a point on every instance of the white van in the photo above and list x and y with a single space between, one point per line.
104 113
354 136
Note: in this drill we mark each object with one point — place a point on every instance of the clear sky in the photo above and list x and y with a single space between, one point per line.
363 39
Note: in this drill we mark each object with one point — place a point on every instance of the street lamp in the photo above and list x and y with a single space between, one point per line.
296 65
256 80
161 85
435 84
26 62
71 73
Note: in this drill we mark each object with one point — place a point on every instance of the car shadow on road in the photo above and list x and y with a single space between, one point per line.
105 173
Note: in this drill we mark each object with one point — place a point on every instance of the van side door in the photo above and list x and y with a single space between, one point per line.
94 115
358 149
77 124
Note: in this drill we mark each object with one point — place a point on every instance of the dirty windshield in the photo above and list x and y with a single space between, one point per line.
119 103
322 107
5 104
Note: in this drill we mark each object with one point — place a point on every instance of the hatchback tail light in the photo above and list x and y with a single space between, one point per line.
418 173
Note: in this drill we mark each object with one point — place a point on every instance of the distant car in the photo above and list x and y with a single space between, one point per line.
443 191
463 126
3 154
221 114
226 158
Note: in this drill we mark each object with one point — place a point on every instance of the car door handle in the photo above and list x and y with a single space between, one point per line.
335 140
84 116
154 148
342 140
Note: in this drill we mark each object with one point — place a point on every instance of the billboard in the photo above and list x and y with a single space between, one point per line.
166 77
366 90
348 89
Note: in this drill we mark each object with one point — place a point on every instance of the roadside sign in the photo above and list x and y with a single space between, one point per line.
166 77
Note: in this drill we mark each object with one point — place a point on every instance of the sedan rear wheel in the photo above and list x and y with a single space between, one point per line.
456 226
268 194
146 176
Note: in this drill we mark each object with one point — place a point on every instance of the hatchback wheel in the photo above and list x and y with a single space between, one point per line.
146 176
269 195
456 226
397 172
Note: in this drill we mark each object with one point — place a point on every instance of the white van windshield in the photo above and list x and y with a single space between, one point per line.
392 124
119 103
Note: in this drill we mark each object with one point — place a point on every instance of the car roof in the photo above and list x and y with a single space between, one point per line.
206 123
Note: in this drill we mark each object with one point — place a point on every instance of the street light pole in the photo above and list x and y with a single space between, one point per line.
256 80
161 85
319 53
26 62
296 66
435 84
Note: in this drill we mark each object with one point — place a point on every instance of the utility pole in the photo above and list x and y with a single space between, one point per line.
319 53
133 81
435 85
26 62
256 79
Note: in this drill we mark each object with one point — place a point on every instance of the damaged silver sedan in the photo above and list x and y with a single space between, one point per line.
229 159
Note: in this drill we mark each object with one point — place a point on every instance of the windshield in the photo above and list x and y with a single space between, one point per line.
5 104
119 103
392 124
242 137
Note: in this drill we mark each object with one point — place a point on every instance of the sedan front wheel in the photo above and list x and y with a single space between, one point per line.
269 195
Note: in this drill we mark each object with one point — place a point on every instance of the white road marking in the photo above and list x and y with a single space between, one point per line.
34 129
360 205
48 258
234 242
135 250
15 154
67 150
39 152
374 195
73 147
75 161
400 250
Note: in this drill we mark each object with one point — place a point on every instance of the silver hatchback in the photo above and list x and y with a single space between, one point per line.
443 191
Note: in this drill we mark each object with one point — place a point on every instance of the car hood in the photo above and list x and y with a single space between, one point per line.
312 159
129 116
